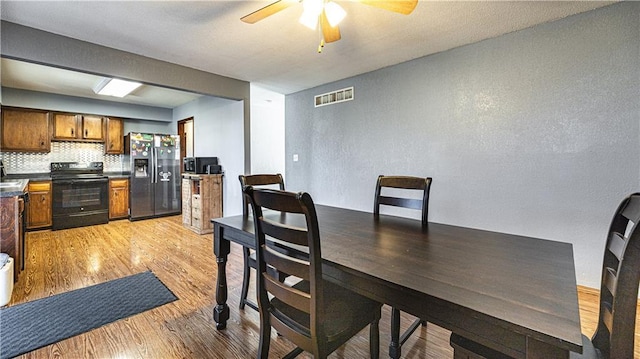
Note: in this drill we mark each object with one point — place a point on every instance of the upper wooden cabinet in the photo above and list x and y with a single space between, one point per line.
65 126
92 128
114 139
72 127
25 130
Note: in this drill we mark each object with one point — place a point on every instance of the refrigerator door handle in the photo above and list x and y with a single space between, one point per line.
155 165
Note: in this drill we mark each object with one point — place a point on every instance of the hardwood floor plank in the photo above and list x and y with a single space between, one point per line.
59 261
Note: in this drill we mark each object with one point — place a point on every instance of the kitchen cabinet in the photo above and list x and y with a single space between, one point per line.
114 136
73 127
39 206
25 130
118 198
201 201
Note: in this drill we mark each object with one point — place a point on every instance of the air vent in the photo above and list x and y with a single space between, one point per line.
330 98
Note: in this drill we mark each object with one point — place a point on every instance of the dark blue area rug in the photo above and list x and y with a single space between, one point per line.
32 325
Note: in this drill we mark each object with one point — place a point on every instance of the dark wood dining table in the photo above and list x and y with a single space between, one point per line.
512 293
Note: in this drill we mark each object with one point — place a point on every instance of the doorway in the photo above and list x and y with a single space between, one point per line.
185 131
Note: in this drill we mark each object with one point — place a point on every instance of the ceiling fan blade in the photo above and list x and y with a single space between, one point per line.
329 33
267 11
401 6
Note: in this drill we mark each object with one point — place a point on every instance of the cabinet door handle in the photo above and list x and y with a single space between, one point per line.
86 133
72 134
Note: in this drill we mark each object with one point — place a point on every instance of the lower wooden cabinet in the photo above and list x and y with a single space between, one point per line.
39 205
118 198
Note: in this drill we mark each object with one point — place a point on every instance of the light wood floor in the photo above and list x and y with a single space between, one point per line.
59 261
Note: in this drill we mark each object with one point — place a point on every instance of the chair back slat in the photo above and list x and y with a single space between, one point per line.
610 280
293 235
293 297
286 264
617 245
614 336
401 202
405 183
607 318
632 211
286 331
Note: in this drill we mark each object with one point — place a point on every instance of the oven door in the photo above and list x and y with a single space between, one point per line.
80 202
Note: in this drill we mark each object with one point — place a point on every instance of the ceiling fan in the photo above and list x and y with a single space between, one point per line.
327 14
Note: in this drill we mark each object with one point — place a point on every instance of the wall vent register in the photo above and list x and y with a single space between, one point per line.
329 98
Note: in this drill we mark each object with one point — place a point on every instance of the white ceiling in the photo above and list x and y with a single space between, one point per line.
276 53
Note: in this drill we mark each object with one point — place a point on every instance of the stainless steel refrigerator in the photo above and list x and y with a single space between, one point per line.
154 187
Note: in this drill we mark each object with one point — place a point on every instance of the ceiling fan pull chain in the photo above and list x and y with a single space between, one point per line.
321 36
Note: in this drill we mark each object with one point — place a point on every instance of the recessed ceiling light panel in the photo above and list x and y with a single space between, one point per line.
116 87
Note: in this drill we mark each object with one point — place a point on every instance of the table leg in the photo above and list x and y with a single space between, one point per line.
221 248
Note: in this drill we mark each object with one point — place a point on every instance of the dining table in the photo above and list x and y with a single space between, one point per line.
512 293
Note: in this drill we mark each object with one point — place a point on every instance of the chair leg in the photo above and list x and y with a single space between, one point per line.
374 339
245 278
265 340
394 345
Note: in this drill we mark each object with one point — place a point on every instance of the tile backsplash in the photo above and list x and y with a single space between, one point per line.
21 162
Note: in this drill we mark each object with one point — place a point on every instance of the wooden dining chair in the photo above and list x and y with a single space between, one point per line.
248 255
411 184
314 314
614 335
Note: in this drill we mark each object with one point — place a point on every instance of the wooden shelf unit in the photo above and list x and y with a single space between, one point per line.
201 201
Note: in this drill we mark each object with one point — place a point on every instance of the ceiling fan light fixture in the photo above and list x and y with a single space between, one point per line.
313 6
335 13
309 19
116 87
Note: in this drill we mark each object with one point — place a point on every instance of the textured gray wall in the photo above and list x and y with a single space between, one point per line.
536 132
218 131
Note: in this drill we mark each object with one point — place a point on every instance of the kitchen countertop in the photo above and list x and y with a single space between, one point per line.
125 174
18 187
42 176
22 180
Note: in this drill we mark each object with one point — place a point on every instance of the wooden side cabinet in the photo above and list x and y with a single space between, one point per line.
118 198
39 205
201 201
25 130
11 235
114 136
